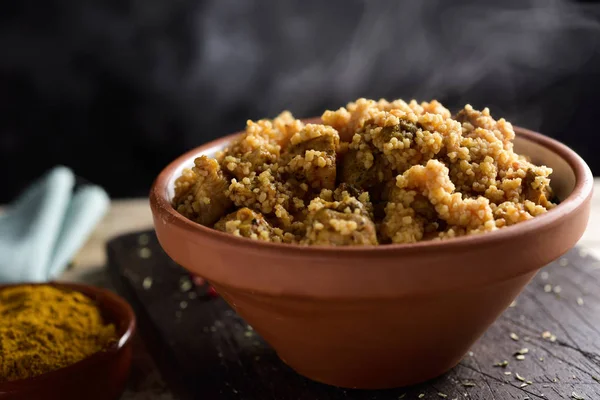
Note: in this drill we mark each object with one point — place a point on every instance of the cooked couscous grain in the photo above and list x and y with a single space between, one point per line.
373 172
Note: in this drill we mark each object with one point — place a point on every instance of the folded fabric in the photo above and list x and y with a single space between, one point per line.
42 230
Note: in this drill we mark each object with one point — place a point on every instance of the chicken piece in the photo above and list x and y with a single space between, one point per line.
344 199
259 147
270 195
423 207
384 147
247 223
353 171
376 180
334 228
353 199
536 186
401 224
256 160
347 120
408 217
473 119
405 144
340 217
200 192
351 190
405 129
262 192
311 156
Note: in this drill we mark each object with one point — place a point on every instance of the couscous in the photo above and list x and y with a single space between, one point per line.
373 172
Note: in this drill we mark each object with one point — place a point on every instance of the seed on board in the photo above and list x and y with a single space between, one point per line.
145 252
580 301
547 288
596 378
421 395
523 385
563 262
507 373
514 336
468 384
147 283
557 289
524 350
520 357
544 275
577 397
549 336
513 304
519 377
143 239
502 364
442 395
403 395
471 354
185 284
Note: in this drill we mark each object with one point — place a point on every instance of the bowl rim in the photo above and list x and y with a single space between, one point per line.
99 295
162 208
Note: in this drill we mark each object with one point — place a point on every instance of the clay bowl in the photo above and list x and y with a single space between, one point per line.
100 376
380 316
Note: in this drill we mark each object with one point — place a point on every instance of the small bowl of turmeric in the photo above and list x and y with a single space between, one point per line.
63 341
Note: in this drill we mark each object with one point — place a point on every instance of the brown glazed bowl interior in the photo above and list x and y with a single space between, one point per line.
102 375
374 316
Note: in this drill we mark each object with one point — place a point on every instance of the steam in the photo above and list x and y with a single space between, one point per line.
209 65
319 56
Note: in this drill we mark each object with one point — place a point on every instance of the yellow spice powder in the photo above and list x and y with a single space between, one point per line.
43 328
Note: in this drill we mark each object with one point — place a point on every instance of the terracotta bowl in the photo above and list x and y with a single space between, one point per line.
378 316
100 376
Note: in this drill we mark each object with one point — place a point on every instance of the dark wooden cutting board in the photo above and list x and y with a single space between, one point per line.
205 351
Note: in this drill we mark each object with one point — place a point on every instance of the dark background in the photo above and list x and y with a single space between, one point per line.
115 89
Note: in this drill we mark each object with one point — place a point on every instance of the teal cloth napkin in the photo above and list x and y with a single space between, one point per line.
43 228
